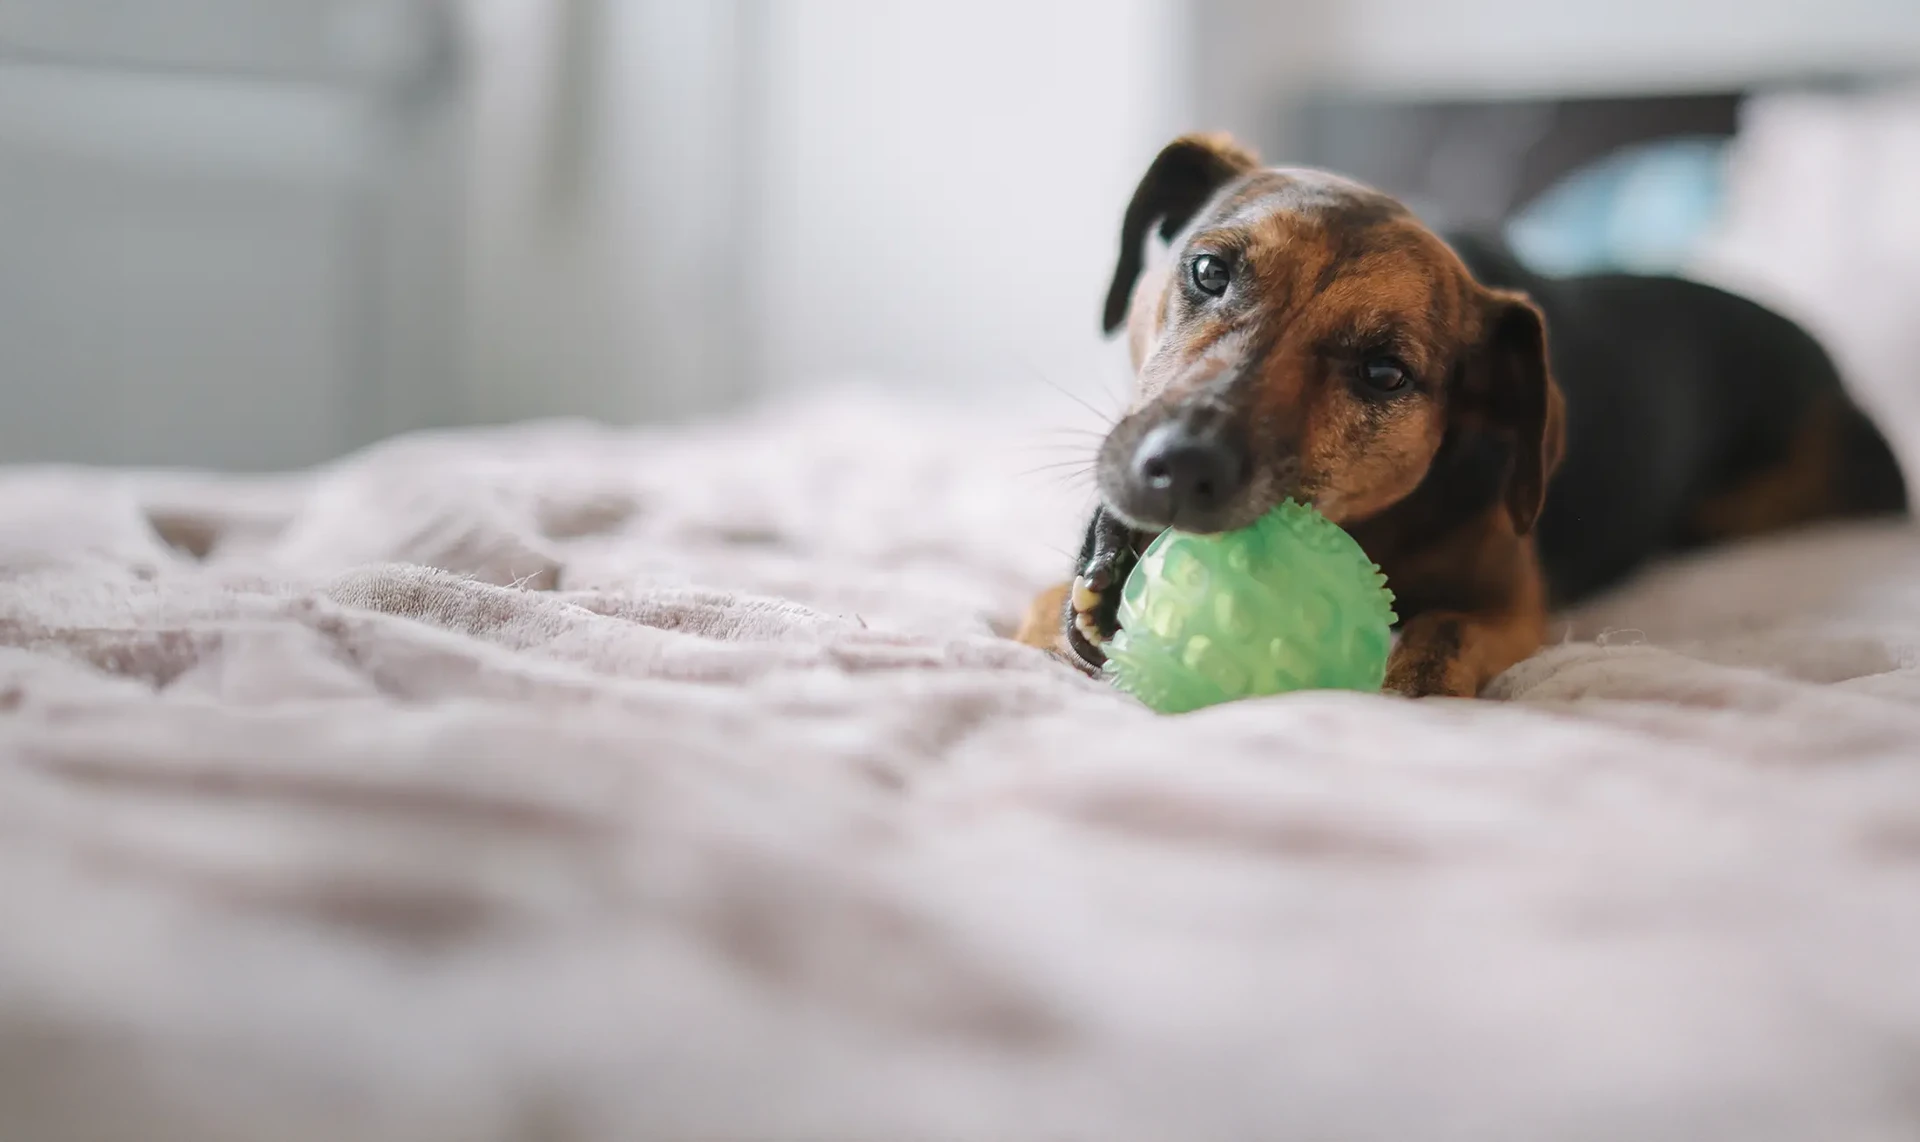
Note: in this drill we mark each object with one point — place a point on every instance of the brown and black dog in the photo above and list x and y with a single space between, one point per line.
1308 338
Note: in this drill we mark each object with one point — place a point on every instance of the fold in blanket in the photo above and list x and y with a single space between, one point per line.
559 782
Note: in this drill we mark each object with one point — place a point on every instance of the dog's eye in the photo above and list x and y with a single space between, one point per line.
1211 275
1384 375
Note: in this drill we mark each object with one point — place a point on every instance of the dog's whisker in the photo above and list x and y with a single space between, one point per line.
1081 465
1063 480
1062 432
1106 417
1077 448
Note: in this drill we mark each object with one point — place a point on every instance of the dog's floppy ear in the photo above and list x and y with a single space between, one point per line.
1182 178
1516 394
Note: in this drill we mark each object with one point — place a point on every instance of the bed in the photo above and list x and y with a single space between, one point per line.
559 782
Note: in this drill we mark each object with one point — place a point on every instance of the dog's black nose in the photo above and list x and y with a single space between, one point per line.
1186 479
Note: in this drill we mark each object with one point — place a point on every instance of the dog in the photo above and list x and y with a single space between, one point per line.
1500 443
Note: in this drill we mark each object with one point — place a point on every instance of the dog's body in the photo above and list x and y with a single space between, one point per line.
1693 416
1310 339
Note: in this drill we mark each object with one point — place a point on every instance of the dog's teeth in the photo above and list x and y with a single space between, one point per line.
1089 630
1085 598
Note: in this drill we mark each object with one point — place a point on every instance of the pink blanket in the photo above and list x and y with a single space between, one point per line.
561 783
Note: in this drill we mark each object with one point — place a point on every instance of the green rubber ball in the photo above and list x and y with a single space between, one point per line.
1288 603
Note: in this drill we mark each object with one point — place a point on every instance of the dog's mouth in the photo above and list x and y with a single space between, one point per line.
1107 557
1108 553
1116 537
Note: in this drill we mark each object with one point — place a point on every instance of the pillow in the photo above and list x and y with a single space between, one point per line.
1642 209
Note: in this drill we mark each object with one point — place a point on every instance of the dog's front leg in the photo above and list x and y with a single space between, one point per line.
1456 653
1453 654
1478 606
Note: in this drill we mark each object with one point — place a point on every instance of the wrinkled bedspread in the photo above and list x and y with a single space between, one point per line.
562 783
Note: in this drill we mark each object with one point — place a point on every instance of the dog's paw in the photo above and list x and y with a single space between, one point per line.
1413 675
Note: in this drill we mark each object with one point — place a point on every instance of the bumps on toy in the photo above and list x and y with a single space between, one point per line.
1288 603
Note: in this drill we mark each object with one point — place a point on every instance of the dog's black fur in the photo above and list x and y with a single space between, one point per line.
1676 393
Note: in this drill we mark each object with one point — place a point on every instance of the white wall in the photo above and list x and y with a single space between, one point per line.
760 194
1554 47
606 210
943 184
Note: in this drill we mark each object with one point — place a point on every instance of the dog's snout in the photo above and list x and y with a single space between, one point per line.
1193 474
1186 478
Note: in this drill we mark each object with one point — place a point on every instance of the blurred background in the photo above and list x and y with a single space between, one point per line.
258 233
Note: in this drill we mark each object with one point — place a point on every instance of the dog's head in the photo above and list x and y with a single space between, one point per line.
1307 337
